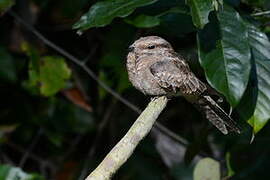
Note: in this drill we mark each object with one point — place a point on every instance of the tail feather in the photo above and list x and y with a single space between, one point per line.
214 119
217 116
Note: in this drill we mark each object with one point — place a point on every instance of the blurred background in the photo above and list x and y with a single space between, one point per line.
66 99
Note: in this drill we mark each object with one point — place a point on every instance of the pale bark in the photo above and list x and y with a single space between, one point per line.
125 147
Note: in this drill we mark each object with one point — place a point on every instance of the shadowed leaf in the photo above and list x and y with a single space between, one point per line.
143 21
226 57
102 13
200 10
260 46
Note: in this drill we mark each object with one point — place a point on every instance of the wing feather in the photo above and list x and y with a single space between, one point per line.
176 75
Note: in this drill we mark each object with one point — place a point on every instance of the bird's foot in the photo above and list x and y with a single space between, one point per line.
153 98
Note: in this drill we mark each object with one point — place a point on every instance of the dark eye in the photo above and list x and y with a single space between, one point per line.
151 47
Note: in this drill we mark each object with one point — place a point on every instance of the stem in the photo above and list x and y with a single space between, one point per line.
125 147
261 13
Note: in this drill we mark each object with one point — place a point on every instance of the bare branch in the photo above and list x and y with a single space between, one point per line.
261 13
41 161
97 137
125 147
30 148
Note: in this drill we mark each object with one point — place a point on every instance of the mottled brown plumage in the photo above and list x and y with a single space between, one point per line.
155 69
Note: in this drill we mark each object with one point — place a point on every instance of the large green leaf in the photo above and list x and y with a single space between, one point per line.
225 56
102 13
143 21
14 173
260 47
200 10
207 169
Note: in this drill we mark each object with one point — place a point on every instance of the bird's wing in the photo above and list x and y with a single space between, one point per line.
175 75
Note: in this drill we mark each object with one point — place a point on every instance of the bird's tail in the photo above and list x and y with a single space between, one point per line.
216 115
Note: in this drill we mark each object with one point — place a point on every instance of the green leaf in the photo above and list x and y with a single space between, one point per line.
260 46
225 56
53 74
102 13
207 169
47 75
200 10
143 21
7 66
13 173
5 5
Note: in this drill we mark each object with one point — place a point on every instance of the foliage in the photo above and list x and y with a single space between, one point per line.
102 13
260 44
207 168
222 61
56 121
200 11
5 4
8 172
144 21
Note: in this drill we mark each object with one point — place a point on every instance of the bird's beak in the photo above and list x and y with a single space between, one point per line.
130 48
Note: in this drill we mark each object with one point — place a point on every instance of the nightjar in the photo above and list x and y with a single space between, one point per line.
156 69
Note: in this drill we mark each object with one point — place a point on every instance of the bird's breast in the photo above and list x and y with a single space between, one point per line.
140 75
146 81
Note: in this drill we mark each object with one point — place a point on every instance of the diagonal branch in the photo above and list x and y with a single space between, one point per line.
125 147
261 13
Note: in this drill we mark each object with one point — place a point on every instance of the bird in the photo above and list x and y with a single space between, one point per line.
155 69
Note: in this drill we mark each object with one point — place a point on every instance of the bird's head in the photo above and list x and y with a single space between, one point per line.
150 45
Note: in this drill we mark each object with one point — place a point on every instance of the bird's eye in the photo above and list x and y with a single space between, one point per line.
151 47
